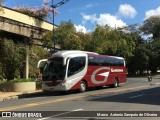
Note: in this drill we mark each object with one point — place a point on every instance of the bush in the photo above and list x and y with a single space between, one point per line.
17 80
40 13
38 85
12 57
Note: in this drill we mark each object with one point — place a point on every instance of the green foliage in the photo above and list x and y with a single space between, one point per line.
18 80
66 37
100 39
154 56
12 57
139 62
152 26
48 39
36 54
87 42
114 42
38 85
139 54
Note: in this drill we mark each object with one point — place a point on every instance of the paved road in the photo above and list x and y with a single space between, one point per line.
136 95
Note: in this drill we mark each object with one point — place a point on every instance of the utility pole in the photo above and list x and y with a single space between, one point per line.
55 6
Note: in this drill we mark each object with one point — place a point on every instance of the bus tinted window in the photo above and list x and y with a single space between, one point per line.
76 65
99 61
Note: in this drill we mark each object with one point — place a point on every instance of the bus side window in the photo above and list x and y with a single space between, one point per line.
108 62
76 65
92 61
71 67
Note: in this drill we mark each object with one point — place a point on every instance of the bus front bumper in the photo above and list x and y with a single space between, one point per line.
59 87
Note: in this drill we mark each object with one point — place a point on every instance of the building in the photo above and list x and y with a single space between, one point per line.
27 28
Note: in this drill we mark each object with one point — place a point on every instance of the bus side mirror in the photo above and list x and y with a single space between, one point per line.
41 69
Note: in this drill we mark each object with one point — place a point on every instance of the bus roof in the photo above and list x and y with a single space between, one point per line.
66 53
70 52
104 56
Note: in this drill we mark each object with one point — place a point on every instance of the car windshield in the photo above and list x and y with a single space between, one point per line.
54 70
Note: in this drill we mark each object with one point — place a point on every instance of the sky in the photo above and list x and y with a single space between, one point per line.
86 14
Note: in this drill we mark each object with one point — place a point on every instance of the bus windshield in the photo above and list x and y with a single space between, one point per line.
54 70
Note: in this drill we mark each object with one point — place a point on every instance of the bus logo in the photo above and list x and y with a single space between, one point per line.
105 74
116 70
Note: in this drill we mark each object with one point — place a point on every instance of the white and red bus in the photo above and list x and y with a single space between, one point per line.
72 70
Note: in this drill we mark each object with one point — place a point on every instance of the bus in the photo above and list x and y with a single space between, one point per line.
79 70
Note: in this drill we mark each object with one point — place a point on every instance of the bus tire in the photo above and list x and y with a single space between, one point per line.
116 83
83 87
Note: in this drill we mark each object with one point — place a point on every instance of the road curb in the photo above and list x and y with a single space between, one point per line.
18 96
10 98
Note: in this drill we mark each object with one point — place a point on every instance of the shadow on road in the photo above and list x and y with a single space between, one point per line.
148 96
63 93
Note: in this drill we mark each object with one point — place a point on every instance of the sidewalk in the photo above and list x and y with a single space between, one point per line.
5 96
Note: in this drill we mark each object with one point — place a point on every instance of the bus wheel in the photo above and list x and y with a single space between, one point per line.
83 86
116 83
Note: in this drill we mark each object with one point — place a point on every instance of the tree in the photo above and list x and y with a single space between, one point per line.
107 41
65 36
11 57
152 26
47 40
154 55
36 54
100 39
139 62
114 42
87 41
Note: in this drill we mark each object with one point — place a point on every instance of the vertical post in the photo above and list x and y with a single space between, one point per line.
55 6
27 63
54 40
94 46
26 66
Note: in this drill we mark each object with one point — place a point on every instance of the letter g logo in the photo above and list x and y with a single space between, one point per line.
105 74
